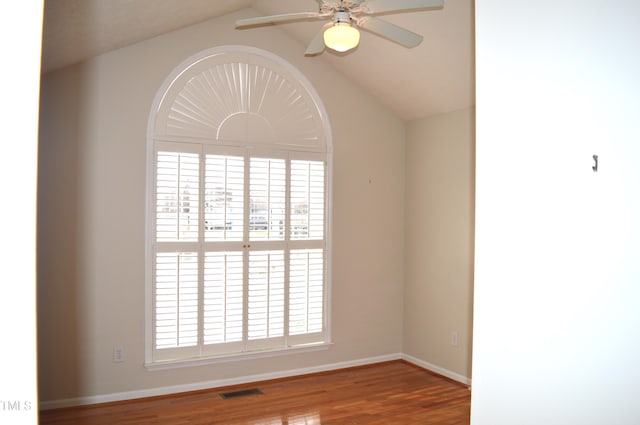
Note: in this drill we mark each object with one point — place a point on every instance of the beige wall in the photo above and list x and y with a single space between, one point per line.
439 232
91 217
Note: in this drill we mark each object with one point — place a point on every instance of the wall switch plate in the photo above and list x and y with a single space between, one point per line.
118 354
454 338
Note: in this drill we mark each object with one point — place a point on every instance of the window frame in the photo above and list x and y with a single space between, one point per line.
298 152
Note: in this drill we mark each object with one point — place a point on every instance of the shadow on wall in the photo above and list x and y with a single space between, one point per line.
59 245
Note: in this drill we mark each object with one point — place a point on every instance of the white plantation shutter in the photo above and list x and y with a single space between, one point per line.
224 198
238 188
176 300
307 199
223 305
306 291
266 303
177 195
223 297
267 197
252 275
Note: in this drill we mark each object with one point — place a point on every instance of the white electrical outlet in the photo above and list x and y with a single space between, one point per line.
454 338
118 354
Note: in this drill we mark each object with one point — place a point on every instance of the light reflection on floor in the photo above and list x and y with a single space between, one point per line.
304 419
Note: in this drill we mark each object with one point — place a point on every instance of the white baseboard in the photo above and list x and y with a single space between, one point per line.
173 389
437 369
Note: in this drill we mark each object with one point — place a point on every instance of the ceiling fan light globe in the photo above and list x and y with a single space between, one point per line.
341 37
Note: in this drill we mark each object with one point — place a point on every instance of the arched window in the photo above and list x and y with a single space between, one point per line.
238 217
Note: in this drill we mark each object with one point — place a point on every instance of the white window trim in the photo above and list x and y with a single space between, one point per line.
225 358
152 137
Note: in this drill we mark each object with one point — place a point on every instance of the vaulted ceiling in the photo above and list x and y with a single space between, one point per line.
435 77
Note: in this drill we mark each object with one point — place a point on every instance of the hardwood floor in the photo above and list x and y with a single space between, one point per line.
386 393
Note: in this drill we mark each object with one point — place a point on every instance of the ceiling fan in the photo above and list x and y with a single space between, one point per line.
341 33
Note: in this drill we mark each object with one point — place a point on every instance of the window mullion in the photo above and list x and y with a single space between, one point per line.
246 251
287 232
201 249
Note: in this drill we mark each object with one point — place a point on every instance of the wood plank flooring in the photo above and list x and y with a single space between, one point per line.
386 393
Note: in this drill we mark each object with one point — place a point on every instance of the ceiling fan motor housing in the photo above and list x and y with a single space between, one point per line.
342 17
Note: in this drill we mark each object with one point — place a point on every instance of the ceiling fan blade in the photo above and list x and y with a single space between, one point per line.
317 45
381 6
263 20
390 31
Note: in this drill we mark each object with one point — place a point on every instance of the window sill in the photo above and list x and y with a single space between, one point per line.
174 364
